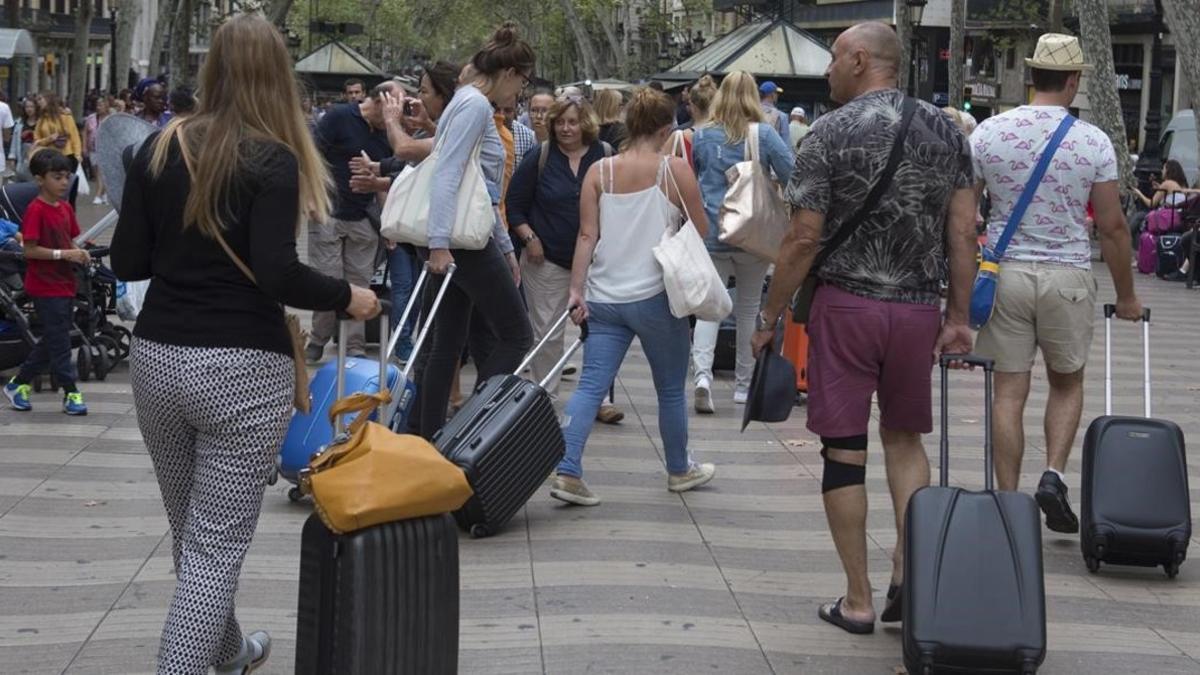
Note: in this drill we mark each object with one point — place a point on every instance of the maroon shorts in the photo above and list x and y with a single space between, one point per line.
857 347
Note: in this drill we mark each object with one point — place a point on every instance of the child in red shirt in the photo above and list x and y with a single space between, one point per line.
48 230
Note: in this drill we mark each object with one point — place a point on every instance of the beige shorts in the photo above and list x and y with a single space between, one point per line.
1040 305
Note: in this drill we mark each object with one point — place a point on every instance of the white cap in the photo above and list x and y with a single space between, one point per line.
798 111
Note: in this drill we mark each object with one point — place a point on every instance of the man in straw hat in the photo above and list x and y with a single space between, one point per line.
1046 292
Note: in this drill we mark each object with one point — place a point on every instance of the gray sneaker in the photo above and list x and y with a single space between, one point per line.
314 352
256 649
697 475
573 491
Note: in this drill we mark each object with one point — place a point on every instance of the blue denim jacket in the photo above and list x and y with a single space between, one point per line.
712 157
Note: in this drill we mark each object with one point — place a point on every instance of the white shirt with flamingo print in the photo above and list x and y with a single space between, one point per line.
1005 150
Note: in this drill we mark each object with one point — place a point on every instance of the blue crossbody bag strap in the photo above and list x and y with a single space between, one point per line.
1031 187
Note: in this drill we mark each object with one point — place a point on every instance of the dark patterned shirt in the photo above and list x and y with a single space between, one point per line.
898 253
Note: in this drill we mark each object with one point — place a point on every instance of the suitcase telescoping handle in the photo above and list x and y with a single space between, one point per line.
1109 312
427 322
344 320
583 336
988 367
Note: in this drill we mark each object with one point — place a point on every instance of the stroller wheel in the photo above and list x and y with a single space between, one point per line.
109 345
101 363
83 363
37 384
123 337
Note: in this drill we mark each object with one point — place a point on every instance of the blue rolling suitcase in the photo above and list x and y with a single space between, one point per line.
1135 507
308 433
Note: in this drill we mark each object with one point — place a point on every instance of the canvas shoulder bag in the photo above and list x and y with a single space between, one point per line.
983 293
693 285
804 297
405 217
753 216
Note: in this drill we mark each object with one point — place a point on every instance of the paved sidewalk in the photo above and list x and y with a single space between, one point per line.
723 580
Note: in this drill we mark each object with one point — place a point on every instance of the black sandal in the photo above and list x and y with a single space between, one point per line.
833 614
893 611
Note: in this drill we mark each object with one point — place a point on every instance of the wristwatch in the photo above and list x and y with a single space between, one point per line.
530 238
761 323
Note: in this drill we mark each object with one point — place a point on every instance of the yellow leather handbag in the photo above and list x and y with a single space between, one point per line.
375 476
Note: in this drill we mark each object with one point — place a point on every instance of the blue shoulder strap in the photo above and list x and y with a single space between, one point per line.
1031 187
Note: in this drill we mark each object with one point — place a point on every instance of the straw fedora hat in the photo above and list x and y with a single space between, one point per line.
1056 51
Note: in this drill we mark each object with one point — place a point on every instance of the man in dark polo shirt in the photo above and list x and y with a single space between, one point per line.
876 320
346 245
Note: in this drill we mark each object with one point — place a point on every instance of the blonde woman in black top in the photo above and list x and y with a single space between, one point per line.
211 360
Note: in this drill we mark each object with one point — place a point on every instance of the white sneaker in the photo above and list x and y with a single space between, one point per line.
256 649
740 396
97 201
704 398
697 475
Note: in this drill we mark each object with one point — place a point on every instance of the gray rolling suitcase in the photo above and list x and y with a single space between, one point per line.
1135 507
974 596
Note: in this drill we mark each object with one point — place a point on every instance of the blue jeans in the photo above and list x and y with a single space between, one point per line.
667 345
403 270
53 350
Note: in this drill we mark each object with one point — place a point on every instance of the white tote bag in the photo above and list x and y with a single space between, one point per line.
405 217
692 282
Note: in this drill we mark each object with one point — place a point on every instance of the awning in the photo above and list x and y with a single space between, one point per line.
337 58
765 48
16 42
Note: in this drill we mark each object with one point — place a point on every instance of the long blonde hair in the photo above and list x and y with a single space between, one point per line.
607 104
736 106
246 94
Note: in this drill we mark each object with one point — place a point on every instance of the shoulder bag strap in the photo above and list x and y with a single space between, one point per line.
752 143
1035 179
682 203
908 110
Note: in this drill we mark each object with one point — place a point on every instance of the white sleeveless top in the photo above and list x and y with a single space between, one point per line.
631 224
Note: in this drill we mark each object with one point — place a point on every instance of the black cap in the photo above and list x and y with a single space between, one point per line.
772 390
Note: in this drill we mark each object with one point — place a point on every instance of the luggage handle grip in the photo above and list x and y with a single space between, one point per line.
988 367
344 320
583 336
1110 310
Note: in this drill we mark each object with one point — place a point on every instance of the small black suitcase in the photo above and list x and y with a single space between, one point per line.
973 594
380 600
1135 507
507 438
1170 255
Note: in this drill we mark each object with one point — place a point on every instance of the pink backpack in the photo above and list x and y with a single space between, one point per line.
1163 220
1147 253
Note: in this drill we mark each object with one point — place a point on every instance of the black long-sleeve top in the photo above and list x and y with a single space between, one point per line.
198 297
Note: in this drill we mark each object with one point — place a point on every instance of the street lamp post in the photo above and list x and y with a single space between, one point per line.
1150 159
916 11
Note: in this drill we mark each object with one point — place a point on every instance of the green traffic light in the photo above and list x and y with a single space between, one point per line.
966 105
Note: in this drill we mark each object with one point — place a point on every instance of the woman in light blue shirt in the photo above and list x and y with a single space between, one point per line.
715 148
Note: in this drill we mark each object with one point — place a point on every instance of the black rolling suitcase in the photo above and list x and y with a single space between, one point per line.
974 596
1135 508
380 600
507 438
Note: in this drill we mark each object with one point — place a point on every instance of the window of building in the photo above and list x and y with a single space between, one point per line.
1010 58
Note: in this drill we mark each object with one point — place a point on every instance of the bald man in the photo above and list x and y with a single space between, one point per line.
880 269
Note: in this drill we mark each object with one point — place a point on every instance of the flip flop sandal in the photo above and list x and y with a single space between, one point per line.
833 614
893 611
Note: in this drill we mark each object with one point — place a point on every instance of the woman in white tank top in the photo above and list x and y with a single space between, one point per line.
626 204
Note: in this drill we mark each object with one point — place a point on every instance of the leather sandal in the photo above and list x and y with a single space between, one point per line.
833 614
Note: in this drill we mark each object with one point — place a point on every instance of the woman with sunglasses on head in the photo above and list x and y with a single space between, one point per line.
543 212
485 279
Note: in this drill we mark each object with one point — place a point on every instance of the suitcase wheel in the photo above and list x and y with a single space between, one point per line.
1172 569
295 495
479 531
1093 564
273 478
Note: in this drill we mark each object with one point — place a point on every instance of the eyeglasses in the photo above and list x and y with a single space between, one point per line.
574 99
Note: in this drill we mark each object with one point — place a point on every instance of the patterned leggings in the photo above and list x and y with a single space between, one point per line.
212 420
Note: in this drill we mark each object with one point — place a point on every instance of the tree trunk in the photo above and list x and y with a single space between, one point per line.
181 42
605 19
1102 90
128 12
1183 20
277 11
162 26
1054 17
587 51
904 32
958 40
77 84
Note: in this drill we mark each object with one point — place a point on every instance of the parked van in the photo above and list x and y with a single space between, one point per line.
1179 142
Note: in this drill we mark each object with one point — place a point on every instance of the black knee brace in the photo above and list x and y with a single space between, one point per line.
839 474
